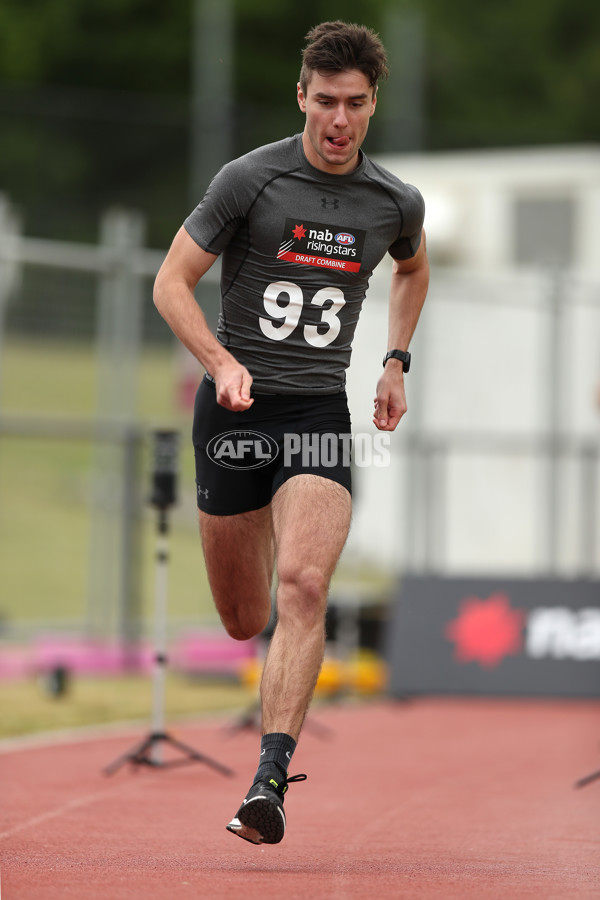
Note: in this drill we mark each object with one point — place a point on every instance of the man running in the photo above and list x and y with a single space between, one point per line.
301 224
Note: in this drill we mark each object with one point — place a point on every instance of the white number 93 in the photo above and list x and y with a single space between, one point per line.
290 313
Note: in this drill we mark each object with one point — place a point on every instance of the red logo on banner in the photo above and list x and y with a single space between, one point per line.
486 631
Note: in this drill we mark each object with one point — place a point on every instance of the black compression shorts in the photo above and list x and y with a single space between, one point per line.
243 458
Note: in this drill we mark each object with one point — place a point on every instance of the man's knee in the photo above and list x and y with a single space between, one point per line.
244 610
244 616
302 594
241 631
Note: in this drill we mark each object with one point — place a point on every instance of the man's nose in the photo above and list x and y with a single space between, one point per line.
340 119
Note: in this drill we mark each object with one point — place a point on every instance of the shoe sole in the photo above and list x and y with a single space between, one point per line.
260 821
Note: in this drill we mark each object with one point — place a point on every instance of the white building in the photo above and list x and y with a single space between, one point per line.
499 208
506 365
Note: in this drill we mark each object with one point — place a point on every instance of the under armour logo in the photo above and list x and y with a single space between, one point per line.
330 202
203 491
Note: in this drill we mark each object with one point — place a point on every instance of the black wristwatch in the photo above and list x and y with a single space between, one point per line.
402 355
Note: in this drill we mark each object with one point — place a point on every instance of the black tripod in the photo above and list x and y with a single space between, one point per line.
149 751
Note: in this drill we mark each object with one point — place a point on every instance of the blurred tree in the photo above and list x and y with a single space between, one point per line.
108 44
512 73
95 94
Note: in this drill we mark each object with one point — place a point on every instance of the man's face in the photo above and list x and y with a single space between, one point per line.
338 107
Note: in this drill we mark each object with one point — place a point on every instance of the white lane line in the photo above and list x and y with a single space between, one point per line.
55 813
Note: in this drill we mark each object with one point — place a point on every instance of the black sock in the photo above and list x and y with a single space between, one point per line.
276 752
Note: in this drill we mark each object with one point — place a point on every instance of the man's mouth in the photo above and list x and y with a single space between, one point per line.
339 142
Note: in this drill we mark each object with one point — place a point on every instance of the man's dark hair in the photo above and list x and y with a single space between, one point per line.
338 46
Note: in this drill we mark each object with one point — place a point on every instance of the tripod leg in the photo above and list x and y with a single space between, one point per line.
144 754
135 755
196 756
582 782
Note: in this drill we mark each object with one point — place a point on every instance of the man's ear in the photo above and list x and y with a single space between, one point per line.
374 101
301 98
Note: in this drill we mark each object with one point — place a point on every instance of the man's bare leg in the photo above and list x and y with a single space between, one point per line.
311 519
238 551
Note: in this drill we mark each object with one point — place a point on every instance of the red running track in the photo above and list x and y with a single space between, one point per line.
435 798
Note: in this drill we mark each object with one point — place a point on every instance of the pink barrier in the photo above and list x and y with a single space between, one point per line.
89 657
14 663
204 652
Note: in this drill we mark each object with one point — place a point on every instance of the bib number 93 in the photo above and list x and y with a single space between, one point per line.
289 314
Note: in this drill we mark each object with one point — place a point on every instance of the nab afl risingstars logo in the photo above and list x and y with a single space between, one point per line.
321 245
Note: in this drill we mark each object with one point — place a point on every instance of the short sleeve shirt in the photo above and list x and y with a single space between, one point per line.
299 246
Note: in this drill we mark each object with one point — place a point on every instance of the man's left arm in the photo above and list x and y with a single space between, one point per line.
410 280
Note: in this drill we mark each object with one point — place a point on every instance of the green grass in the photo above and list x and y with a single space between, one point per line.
61 378
27 707
46 487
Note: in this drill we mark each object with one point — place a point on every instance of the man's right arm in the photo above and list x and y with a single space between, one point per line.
184 266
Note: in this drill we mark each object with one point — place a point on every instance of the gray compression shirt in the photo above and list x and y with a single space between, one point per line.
299 247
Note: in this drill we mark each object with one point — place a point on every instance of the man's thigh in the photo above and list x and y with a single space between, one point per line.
238 551
311 520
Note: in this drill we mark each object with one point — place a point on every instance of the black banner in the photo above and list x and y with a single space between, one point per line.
484 636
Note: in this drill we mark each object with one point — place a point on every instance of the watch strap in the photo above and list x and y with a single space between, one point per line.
402 355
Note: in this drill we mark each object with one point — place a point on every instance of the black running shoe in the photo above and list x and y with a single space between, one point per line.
261 819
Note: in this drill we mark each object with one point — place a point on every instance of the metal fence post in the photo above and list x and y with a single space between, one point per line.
10 228
130 611
414 505
117 357
589 458
554 418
